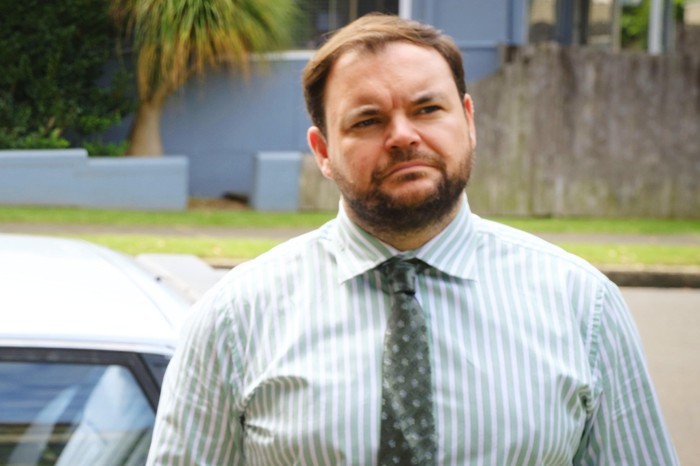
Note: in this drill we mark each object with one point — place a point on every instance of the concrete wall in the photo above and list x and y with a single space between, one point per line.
276 181
70 178
224 121
573 131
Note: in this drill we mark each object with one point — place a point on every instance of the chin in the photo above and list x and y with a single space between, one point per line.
418 193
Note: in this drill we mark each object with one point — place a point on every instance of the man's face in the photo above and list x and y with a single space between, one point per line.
399 140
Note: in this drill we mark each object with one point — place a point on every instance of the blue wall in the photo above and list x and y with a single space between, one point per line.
70 178
221 123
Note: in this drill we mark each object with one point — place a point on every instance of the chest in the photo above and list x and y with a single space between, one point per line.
510 380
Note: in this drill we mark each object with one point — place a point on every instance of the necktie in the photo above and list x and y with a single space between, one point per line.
407 434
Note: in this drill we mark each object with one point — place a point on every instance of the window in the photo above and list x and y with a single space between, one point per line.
318 17
569 22
543 20
74 413
601 17
691 15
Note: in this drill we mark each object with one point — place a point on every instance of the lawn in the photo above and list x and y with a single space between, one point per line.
230 217
204 216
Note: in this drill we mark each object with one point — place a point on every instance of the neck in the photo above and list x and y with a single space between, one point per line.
408 240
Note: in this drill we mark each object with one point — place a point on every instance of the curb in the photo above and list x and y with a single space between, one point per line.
654 277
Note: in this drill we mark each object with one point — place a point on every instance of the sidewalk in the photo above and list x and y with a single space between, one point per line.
647 276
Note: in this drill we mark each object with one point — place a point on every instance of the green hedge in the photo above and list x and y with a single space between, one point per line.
53 54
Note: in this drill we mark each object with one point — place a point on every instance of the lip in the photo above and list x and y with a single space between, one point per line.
403 167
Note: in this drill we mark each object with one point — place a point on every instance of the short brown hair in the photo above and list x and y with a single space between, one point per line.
370 33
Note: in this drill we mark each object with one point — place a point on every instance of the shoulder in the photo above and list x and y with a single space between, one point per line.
290 260
561 284
516 247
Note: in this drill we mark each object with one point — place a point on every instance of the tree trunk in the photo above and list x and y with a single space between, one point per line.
144 136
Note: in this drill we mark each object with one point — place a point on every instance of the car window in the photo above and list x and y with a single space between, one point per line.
59 413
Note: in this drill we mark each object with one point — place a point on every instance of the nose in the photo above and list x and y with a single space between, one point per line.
401 133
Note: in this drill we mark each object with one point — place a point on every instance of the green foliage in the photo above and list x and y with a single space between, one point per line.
98 148
14 138
634 23
53 54
176 39
633 26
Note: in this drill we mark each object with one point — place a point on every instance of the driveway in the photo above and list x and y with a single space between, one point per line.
668 322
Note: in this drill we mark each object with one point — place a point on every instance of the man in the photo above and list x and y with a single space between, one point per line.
520 354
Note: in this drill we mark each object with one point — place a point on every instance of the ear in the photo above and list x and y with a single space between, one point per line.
319 146
469 113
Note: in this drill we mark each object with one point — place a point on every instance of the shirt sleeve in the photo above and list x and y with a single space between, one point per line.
196 423
625 425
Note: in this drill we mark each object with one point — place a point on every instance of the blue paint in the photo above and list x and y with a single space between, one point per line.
70 178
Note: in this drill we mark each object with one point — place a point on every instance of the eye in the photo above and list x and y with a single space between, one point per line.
366 123
429 109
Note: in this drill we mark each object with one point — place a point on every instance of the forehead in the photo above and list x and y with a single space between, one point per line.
388 54
395 65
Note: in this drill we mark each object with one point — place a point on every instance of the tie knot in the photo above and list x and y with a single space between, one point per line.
401 274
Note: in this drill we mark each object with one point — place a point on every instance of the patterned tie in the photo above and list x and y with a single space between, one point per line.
408 424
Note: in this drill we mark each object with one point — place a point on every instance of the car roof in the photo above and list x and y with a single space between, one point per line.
59 292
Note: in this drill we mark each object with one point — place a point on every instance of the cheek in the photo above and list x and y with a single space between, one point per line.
452 142
358 161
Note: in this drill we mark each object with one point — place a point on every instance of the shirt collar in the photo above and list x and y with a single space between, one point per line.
452 251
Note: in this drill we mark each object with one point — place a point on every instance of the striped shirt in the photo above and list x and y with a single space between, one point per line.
536 360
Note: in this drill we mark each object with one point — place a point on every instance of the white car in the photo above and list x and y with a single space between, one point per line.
85 336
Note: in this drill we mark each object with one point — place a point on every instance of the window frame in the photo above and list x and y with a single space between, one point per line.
405 8
146 369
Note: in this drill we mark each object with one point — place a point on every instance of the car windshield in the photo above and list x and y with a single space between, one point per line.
72 414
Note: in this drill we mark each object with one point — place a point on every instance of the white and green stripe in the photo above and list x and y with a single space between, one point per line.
536 359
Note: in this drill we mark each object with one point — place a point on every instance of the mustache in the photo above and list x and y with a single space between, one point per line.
399 156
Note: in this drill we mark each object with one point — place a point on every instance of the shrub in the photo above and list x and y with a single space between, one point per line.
53 55
98 148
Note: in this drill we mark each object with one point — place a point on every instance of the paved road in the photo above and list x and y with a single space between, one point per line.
669 322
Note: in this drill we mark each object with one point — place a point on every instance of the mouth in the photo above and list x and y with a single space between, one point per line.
414 168
408 165
407 169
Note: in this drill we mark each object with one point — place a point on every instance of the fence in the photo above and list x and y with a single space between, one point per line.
578 131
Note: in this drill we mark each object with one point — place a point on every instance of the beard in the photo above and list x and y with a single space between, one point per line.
382 212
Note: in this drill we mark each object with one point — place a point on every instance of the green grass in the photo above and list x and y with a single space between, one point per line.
237 249
234 248
233 218
615 253
242 218
636 254
604 225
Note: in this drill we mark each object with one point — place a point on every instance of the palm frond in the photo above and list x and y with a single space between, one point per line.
176 39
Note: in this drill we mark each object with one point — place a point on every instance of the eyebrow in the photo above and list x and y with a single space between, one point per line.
371 110
360 112
364 110
428 97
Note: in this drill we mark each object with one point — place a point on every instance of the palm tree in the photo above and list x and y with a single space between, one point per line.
176 39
